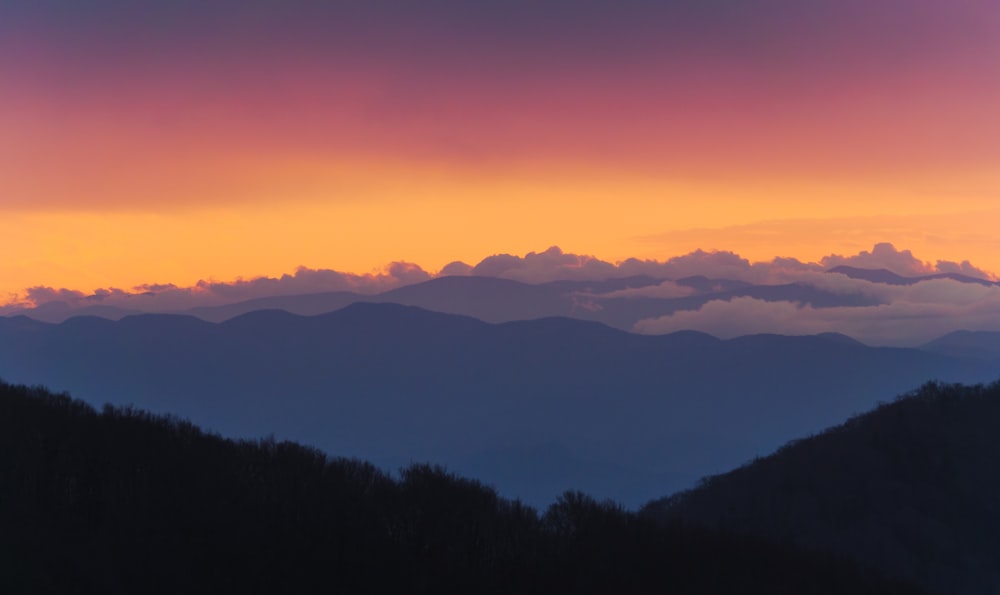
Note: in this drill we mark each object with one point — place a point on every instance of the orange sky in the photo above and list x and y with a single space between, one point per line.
140 149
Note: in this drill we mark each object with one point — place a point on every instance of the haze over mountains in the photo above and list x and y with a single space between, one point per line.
535 406
907 304
614 302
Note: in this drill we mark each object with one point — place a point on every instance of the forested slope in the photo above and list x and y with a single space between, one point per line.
912 488
125 502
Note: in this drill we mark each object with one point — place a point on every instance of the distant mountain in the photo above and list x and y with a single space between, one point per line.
891 278
308 304
56 312
982 344
703 284
502 300
639 416
126 502
911 488
486 298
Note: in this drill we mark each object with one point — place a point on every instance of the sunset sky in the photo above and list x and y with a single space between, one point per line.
167 142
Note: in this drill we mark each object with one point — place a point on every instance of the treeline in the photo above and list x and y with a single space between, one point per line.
911 488
123 501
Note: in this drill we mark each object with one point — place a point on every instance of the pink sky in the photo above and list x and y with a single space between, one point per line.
167 143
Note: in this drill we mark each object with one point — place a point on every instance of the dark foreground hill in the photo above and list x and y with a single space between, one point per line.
127 502
538 407
912 488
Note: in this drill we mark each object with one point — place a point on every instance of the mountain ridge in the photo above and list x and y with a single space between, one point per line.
176 509
394 383
909 488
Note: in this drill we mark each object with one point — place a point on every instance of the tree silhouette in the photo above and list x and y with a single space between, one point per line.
123 501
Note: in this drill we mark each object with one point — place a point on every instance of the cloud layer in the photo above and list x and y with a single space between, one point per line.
534 267
894 315
555 265
914 314
169 297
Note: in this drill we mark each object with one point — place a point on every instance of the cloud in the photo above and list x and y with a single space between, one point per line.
902 262
916 314
957 233
963 268
553 265
456 268
840 284
45 295
306 280
666 289
715 264
882 256
165 297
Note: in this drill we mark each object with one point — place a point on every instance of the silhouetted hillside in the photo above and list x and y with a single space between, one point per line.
126 502
618 415
912 488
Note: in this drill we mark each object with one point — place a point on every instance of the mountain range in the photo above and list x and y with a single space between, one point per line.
537 406
503 300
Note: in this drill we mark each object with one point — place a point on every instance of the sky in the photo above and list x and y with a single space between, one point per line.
146 143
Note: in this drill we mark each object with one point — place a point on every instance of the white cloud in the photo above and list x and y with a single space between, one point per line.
666 289
882 256
916 314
